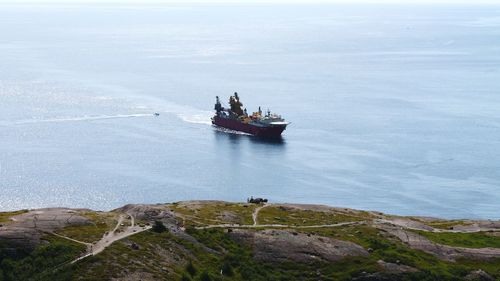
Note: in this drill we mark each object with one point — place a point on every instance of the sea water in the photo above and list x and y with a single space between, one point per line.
392 108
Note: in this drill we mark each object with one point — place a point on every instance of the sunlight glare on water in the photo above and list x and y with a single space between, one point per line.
393 108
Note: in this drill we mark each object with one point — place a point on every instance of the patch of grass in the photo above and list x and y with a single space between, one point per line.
440 224
492 266
206 213
467 240
5 216
101 223
359 234
298 217
447 224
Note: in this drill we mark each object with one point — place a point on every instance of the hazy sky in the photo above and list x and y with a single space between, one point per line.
471 2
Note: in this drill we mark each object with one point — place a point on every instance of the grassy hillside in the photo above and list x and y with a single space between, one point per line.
234 241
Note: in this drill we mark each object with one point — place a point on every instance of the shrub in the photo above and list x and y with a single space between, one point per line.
227 269
205 276
191 269
159 227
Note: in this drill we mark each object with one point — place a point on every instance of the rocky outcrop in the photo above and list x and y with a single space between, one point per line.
395 268
444 252
24 231
284 245
405 223
390 272
479 275
149 213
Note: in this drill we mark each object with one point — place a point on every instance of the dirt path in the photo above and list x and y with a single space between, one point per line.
442 251
278 225
113 236
132 220
255 217
255 214
414 225
71 239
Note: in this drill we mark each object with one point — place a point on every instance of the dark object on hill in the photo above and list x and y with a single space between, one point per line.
256 200
159 227
134 246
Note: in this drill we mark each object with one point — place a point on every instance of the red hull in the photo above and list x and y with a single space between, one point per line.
268 132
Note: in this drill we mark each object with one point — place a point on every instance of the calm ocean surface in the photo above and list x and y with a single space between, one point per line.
393 108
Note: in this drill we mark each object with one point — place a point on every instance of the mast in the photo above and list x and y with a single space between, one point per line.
218 107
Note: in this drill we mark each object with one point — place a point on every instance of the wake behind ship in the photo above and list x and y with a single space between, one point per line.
236 118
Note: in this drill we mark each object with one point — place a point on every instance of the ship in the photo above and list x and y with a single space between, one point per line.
236 118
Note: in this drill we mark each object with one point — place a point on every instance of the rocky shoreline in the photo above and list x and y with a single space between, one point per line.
276 239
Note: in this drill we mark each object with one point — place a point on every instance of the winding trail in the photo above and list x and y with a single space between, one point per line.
255 214
111 237
255 217
278 225
121 231
71 239
413 225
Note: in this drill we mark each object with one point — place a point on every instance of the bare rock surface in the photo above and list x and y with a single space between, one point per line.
229 217
406 223
24 231
283 245
490 224
476 226
149 213
14 239
479 275
49 219
136 276
444 252
390 272
198 204
394 268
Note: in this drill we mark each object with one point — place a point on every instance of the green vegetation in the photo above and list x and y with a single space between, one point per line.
447 224
383 247
150 256
467 240
215 213
359 234
159 227
44 263
101 223
5 216
237 262
214 254
191 269
166 257
296 217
